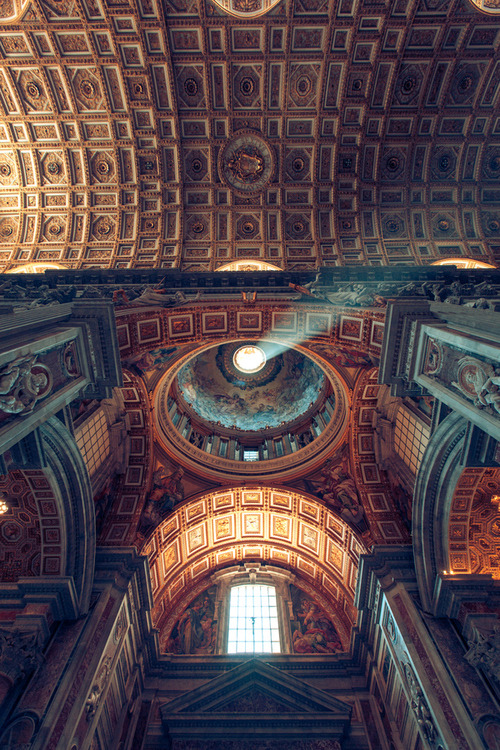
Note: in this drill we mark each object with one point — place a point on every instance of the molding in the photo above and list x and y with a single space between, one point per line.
437 477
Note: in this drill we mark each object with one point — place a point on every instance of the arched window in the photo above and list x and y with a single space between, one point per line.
255 609
253 620
13 11
34 268
462 263
246 8
248 265
490 7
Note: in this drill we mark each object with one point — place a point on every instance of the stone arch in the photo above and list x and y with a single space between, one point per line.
437 478
270 525
377 496
20 731
49 531
133 483
474 527
343 338
68 477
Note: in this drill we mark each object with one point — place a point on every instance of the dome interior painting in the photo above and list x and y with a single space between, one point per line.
286 387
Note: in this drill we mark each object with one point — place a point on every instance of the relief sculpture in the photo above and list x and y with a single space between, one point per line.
22 383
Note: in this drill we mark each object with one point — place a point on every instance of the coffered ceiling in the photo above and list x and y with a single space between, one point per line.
176 135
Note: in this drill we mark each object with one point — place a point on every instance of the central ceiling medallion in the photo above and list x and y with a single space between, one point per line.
249 358
246 163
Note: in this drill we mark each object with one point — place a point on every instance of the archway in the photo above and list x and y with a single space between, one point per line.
437 478
49 529
271 527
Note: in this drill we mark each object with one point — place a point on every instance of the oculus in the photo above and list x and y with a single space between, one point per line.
249 358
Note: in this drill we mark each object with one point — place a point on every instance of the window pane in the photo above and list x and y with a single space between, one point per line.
410 438
253 620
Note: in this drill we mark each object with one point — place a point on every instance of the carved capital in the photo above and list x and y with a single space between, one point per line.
19 653
484 651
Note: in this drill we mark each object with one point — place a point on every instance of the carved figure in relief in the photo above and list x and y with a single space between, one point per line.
37 297
479 382
338 488
343 295
19 653
419 705
158 296
22 383
167 490
376 294
489 395
484 652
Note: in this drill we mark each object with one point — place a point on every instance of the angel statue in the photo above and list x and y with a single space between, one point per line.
338 488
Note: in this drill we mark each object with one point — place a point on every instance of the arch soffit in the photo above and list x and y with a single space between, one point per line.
51 529
71 485
271 525
435 486
29 497
473 529
120 525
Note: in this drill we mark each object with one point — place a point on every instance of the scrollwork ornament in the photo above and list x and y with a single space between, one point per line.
96 691
23 382
479 382
391 629
420 706
19 653
484 652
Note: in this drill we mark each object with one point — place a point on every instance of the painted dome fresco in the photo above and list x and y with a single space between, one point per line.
278 385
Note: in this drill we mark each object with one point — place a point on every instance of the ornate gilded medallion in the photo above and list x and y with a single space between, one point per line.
246 163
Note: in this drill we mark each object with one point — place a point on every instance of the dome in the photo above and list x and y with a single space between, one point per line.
284 386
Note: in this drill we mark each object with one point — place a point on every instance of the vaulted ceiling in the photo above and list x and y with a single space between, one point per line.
140 134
